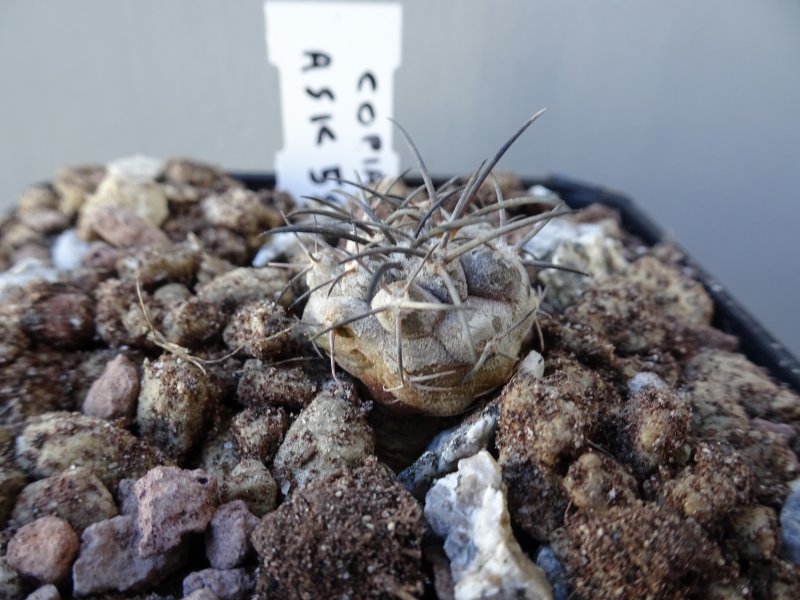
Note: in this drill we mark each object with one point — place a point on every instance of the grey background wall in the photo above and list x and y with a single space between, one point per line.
689 107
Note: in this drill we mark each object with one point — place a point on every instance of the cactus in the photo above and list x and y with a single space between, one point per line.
426 298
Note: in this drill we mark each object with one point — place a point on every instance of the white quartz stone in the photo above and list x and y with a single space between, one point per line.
468 509
25 271
644 380
594 248
68 250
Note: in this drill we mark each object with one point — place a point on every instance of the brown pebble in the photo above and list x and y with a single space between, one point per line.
64 320
123 228
261 329
228 535
262 384
109 560
259 431
172 502
113 395
75 495
44 550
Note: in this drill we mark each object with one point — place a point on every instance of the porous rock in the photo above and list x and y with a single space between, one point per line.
711 488
769 457
638 309
174 400
153 266
191 323
73 185
43 550
756 531
468 509
597 482
329 435
109 560
13 340
537 499
228 535
243 285
636 551
654 429
75 495
241 210
226 584
132 187
123 228
171 503
550 419
56 441
357 534
264 384
118 315
113 395
259 431
250 481
716 376
261 329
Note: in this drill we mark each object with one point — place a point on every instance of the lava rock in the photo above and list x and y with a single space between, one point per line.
109 560
171 503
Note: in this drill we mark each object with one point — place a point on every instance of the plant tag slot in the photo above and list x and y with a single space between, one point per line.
336 62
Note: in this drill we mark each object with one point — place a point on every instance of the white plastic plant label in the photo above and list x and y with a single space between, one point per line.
336 62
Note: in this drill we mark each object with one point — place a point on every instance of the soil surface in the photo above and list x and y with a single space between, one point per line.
168 430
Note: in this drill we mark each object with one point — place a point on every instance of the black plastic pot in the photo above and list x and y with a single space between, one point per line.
729 316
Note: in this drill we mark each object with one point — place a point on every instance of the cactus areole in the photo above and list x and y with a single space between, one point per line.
426 299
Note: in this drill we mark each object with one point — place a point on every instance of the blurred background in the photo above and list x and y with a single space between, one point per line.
692 108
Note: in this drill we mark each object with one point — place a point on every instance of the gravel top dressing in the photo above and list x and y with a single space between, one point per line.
463 392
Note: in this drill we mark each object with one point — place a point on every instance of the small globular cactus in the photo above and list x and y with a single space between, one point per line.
426 298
